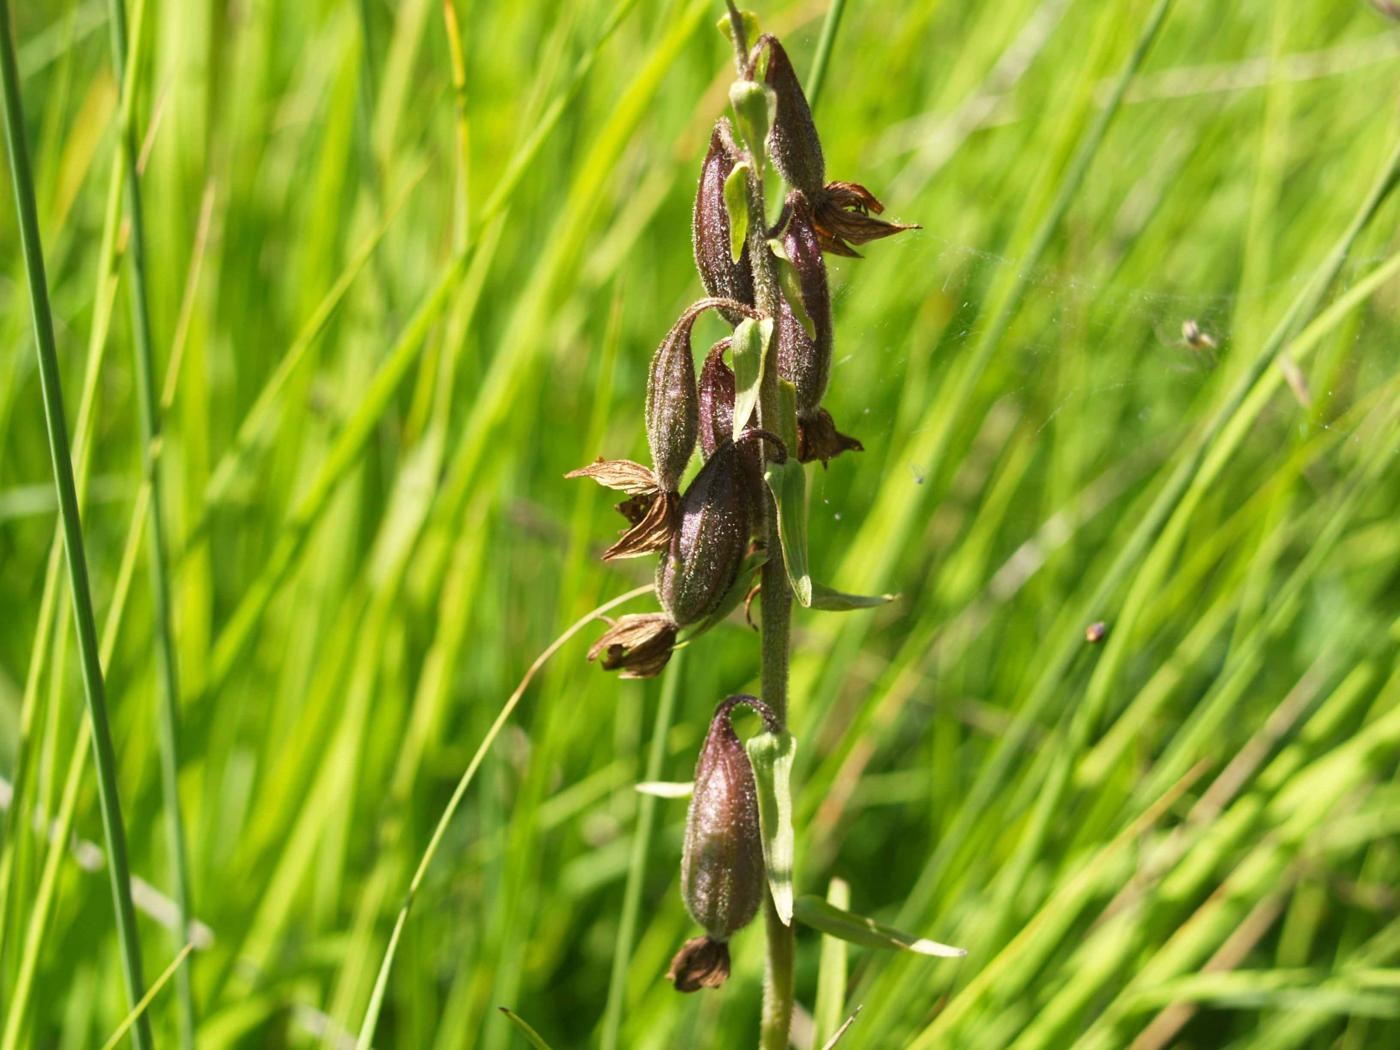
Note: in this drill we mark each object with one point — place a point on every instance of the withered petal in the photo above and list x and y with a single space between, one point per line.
818 439
638 645
620 474
652 532
701 963
635 508
841 215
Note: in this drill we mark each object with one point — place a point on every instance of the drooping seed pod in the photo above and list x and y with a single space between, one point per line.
716 399
673 404
707 549
638 645
805 360
722 873
710 228
840 210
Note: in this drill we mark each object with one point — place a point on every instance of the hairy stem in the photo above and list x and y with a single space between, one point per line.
776 608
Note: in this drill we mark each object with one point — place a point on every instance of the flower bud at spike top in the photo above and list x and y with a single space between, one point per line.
841 211
793 142
673 404
719 273
722 875
806 362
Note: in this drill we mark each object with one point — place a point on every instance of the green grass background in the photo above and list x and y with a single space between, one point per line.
393 314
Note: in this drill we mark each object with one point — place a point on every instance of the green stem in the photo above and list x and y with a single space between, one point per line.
776 608
103 752
641 846
149 412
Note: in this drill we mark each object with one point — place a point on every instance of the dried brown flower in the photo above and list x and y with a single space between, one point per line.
638 645
649 509
818 439
702 962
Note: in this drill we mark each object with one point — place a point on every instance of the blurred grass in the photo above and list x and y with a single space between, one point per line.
388 357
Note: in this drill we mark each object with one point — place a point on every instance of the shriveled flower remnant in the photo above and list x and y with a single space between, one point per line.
714 533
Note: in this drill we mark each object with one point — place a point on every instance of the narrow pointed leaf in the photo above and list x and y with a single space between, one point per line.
736 203
665 788
754 105
791 284
824 597
750 350
771 756
532 1037
788 483
837 922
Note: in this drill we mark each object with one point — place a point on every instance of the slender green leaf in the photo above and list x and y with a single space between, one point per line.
750 351
665 788
788 483
824 597
771 755
736 203
755 105
837 922
791 284
140 1008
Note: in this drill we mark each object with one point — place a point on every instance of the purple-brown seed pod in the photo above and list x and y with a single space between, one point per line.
708 546
793 142
673 406
707 549
803 360
722 873
710 230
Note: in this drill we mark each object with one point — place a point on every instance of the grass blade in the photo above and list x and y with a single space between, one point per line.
168 690
104 754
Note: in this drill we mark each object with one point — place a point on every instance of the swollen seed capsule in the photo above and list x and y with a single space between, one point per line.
719 273
673 404
716 400
707 549
803 360
792 142
722 873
